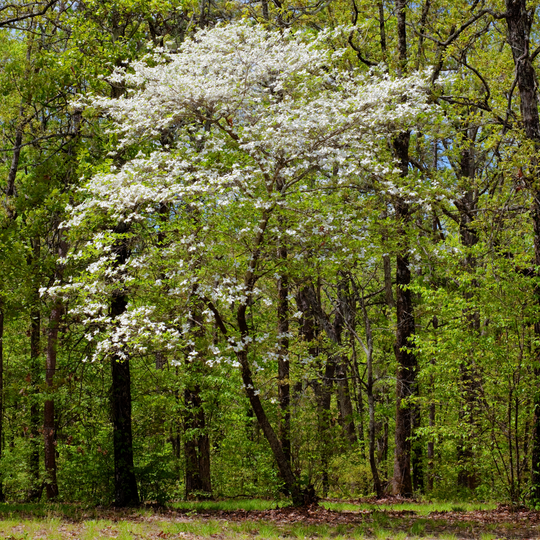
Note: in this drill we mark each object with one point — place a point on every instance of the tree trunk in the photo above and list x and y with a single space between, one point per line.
467 207
322 388
51 484
197 442
299 496
371 401
346 412
49 434
125 483
358 394
519 22
35 350
196 446
404 347
283 355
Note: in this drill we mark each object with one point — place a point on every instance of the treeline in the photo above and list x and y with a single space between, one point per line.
269 247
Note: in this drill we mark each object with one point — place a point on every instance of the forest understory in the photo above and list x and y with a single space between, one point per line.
255 247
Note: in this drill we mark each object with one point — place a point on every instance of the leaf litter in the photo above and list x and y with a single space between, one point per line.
155 522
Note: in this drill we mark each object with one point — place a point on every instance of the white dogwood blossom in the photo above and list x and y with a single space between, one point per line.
241 124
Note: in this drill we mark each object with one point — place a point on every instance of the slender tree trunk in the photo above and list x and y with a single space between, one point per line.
344 400
283 356
323 396
345 315
358 382
125 483
431 449
51 484
49 434
431 420
322 388
371 402
519 21
283 464
35 350
299 496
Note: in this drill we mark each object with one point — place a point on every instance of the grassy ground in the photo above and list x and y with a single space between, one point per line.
258 520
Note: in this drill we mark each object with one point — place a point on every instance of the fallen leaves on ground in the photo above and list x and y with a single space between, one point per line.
503 522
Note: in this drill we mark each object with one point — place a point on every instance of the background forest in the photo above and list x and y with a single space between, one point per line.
317 275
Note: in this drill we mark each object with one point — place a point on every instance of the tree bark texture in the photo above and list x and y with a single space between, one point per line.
196 446
35 350
125 483
284 392
51 483
519 21
321 387
467 206
371 401
404 348
196 440
49 428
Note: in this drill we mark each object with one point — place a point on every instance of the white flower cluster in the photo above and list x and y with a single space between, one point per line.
257 121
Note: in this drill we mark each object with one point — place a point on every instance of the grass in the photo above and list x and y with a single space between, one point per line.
420 508
62 521
227 505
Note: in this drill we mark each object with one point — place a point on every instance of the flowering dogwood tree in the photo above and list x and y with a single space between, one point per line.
242 135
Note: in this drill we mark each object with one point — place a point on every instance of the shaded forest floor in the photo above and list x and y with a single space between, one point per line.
359 520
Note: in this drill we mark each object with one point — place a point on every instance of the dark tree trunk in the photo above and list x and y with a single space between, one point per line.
467 206
417 456
49 434
519 21
346 412
299 496
322 388
358 395
404 347
323 397
431 420
283 356
196 440
431 450
371 401
51 484
283 464
125 483
406 378
35 350
196 446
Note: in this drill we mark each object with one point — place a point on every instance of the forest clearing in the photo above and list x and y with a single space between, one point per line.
261 520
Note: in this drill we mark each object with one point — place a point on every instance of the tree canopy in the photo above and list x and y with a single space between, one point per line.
269 248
